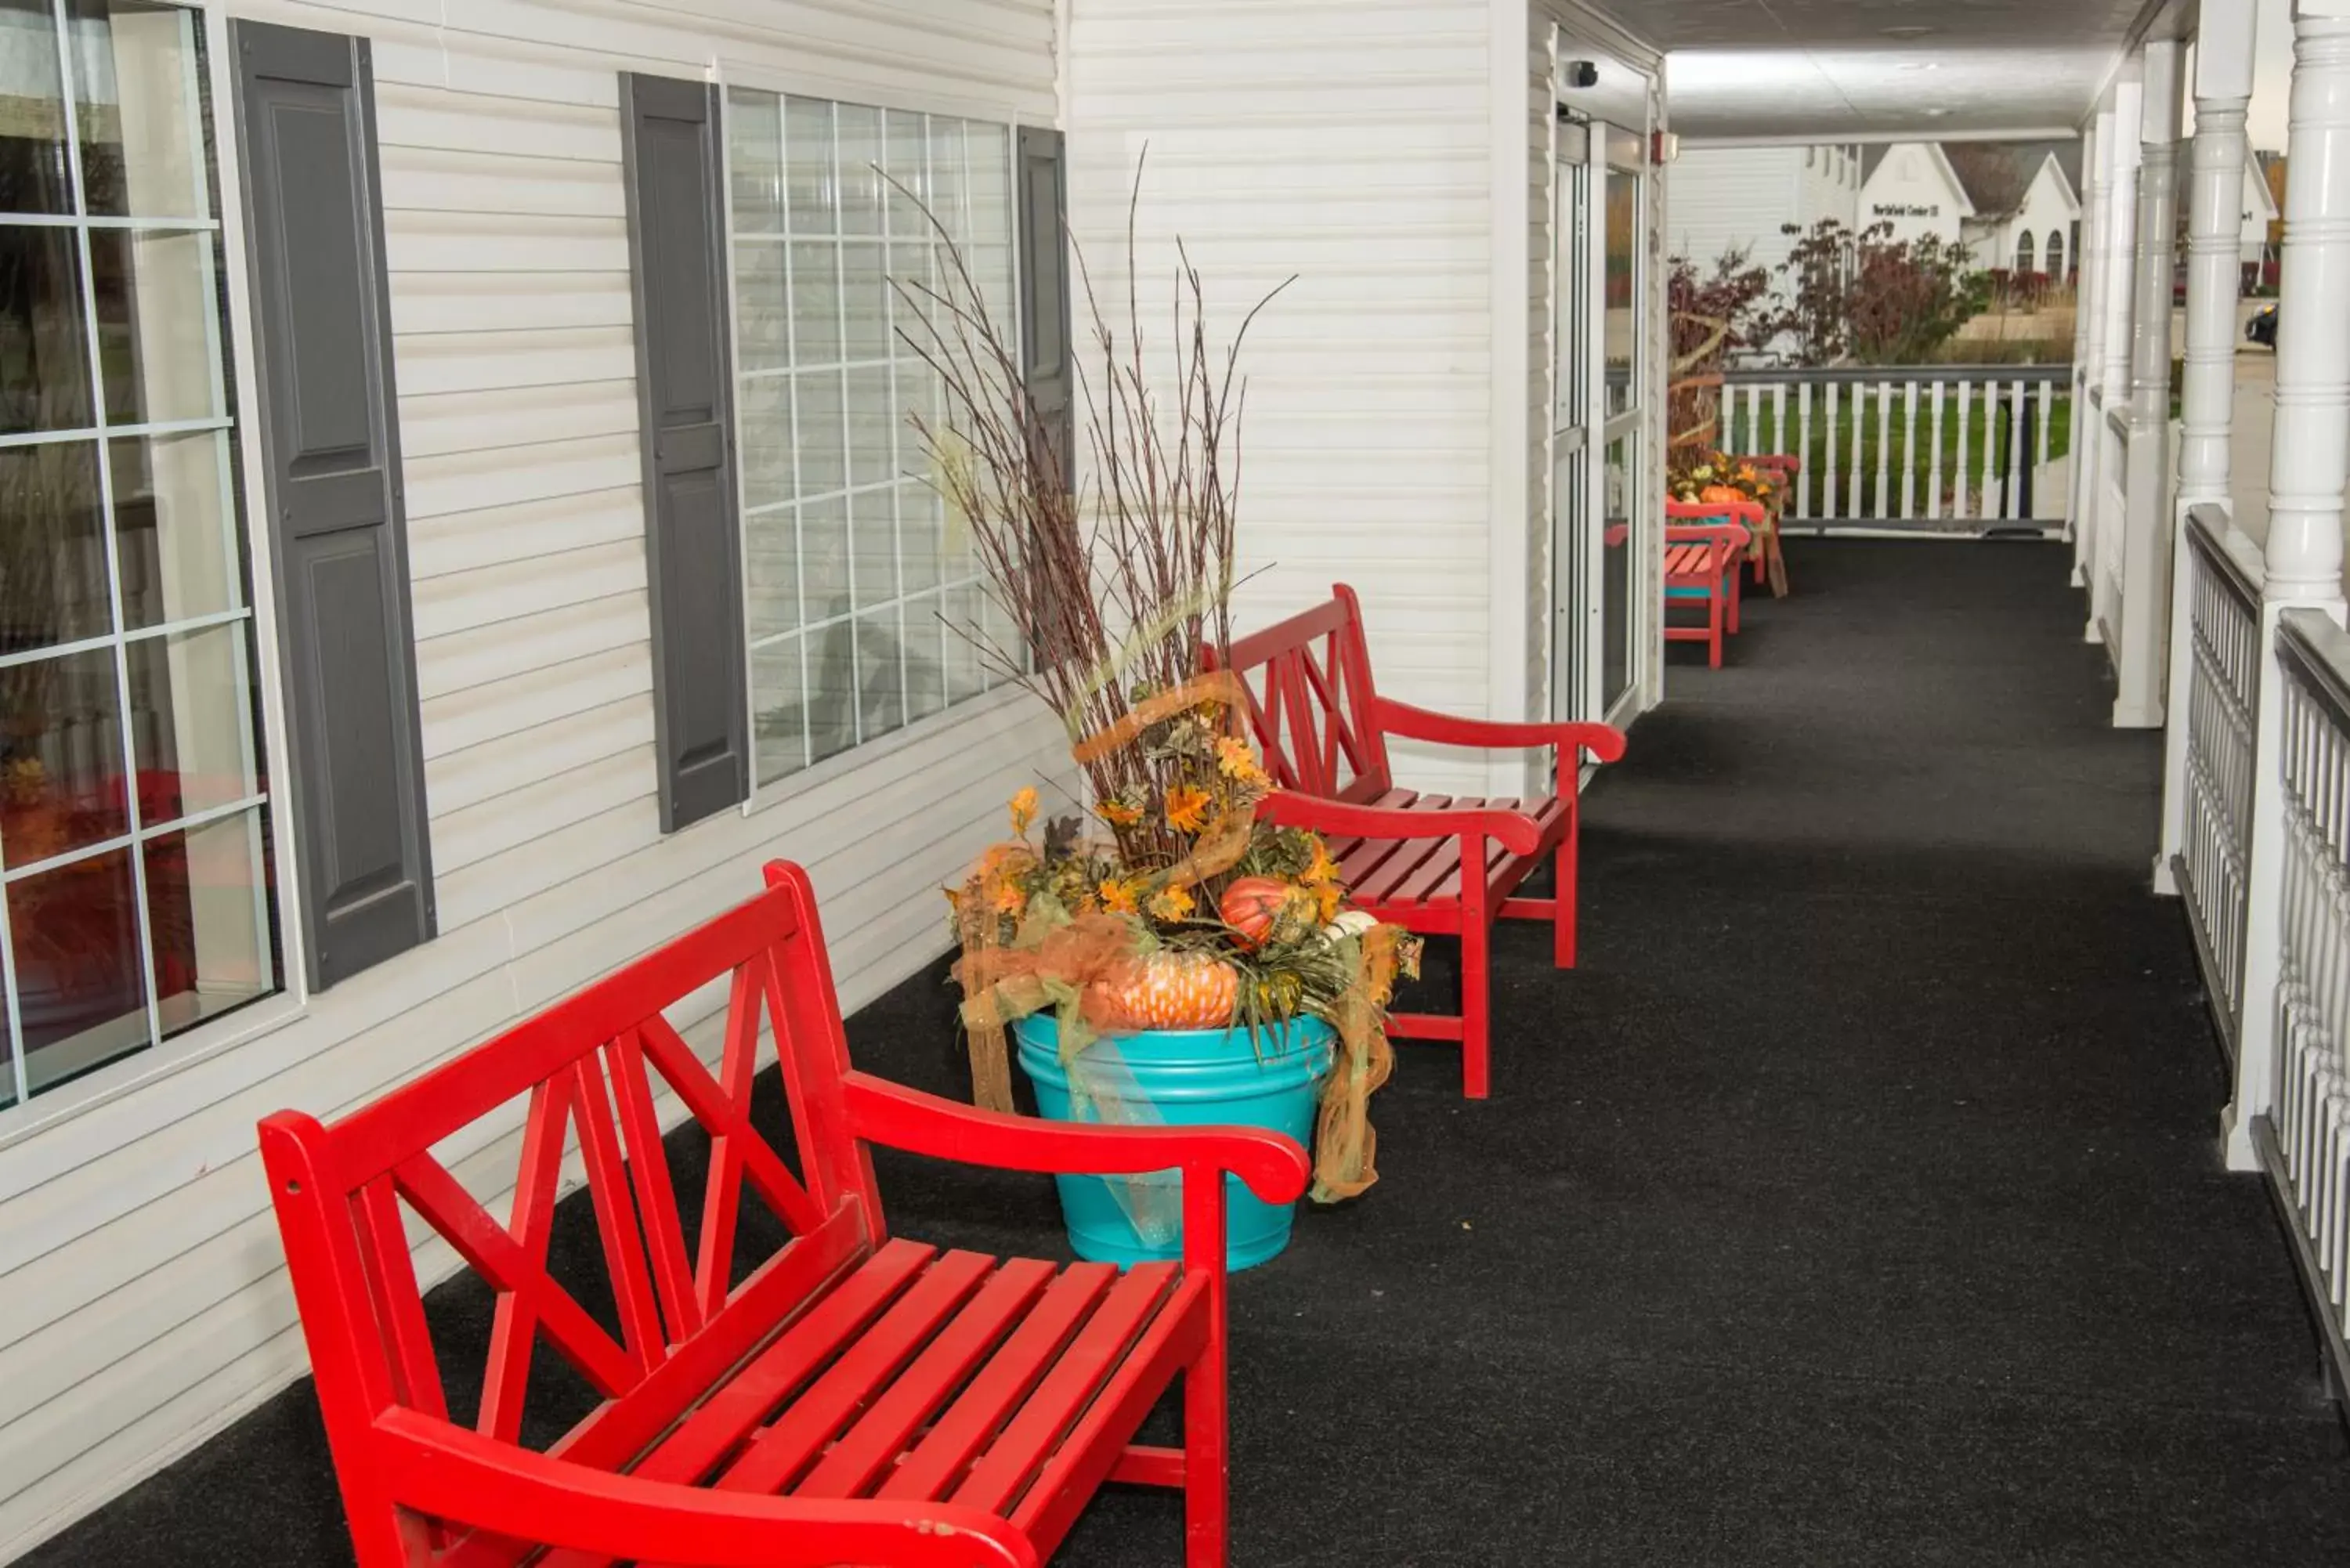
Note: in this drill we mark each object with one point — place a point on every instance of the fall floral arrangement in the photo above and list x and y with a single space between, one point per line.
1699 473
1163 901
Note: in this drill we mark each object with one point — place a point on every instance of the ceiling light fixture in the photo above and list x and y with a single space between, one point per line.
1908 30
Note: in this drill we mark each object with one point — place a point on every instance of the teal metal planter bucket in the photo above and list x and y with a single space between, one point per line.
1194 1077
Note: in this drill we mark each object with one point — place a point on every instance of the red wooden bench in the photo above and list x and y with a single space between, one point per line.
855 1399
1703 546
1324 729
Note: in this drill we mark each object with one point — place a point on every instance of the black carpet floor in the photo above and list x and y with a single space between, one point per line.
1856 1202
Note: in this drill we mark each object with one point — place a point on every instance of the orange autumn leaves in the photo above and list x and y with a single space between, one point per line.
1179 909
1237 762
1207 808
1185 808
1698 475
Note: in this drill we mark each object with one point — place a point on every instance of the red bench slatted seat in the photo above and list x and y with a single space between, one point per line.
856 1398
1704 541
1324 730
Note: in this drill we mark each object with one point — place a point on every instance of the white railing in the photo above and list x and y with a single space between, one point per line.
2306 1139
1932 447
2223 632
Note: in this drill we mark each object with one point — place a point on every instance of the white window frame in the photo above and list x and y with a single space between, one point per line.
29 1117
996 704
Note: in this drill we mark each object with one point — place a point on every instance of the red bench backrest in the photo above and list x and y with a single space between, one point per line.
586 1066
1310 701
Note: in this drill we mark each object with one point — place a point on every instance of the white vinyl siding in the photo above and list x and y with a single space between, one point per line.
1352 147
1821 193
1723 199
147 1303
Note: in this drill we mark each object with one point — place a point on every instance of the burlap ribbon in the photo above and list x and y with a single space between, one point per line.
1076 968
1345 1146
1219 687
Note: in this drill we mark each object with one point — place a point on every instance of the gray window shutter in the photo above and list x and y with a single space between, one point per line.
693 549
1045 290
330 428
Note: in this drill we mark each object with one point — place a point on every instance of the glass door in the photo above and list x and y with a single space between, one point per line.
1624 466
1574 555
1598 467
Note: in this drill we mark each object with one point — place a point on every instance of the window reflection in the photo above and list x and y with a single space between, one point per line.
208 908
1619 493
82 985
61 757
175 527
137 105
136 881
851 571
53 584
34 174
157 330
1620 305
44 337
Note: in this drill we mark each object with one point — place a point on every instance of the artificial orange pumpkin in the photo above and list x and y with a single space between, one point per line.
1173 991
1250 905
1721 493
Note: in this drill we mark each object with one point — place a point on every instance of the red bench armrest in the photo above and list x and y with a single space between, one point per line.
454 1474
1273 1165
1604 742
1513 830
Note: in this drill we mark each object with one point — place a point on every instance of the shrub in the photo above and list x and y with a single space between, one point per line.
1871 297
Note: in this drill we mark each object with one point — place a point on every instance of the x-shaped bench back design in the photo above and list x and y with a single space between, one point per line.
1308 680
588 1070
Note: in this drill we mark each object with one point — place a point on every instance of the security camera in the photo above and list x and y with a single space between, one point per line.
1582 74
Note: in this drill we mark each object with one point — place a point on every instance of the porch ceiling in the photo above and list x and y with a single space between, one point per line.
1786 71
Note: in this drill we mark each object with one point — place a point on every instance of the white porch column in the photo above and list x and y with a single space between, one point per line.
2139 668
2088 359
2309 463
2223 87
2117 290
2121 237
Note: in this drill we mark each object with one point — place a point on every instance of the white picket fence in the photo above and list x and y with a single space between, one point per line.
2223 601
1938 447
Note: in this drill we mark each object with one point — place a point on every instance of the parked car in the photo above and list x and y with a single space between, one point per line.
2262 327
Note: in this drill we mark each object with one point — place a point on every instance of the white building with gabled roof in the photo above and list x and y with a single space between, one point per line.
2025 201
1912 187
2015 205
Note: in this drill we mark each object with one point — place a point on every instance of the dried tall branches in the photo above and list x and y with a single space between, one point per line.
1114 582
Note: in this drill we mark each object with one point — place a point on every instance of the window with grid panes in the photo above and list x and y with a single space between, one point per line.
134 806
857 581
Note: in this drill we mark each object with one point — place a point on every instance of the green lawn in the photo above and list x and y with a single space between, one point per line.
1909 448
